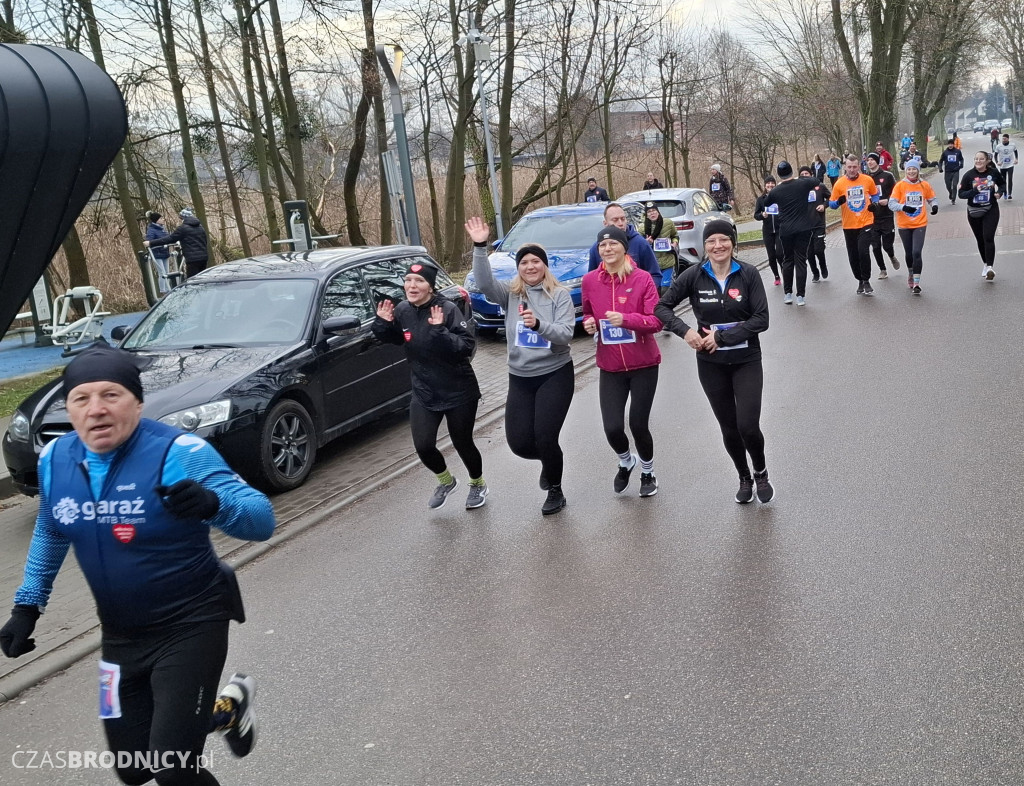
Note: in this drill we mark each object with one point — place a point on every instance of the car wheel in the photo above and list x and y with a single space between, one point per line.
287 446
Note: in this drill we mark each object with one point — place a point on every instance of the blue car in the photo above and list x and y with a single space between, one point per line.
566 232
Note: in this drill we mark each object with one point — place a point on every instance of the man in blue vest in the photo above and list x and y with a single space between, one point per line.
136 499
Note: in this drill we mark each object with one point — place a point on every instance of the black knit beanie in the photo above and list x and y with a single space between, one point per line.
531 248
100 362
429 272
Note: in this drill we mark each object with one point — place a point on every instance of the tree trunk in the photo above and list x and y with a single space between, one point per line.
273 152
380 122
355 156
178 91
505 114
222 144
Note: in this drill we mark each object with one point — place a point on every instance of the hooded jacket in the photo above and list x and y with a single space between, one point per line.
556 320
635 298
156 232
439 355
192 237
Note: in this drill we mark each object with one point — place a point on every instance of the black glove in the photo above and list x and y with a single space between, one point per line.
909 209
841 201
935 210
186 499
14 636
873 207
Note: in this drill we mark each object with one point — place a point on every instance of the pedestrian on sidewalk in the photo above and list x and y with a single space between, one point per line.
907 201
191 236
816 252
155 231
539 323
1006 160
883 230
137 499
857 195
950 163
720 189
618 308
439 342
769 218
730 308
981 186
796 228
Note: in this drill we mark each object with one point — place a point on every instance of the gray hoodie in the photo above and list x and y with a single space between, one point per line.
556 320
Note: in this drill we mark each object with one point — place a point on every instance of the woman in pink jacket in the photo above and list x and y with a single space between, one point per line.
618 308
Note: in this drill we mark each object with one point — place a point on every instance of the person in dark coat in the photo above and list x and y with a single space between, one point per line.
156 231
191 235
651 182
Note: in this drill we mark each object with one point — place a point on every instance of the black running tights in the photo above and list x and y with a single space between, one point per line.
734 392
773 245
425 423
534 413
913 242
883 239
614 388
984 229
168 684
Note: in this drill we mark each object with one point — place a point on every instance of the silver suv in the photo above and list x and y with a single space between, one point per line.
689 209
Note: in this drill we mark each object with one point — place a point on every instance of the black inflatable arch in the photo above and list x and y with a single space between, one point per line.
62 121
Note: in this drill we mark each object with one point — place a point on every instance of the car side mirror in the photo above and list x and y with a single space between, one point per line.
119 332
497 243
726 207
338 325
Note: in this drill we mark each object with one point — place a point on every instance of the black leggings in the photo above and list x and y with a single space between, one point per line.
167 689
734 392
773 245
858 250
1008 177
913 242
615 387
425 423
951 179
984 229
818 252
883 239
534 413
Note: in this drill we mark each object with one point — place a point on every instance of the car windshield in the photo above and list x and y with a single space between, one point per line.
227 314
554 232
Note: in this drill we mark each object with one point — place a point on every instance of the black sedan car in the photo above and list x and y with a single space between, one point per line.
266 358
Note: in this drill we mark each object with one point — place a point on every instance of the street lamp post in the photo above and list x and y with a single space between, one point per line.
482 54
401 139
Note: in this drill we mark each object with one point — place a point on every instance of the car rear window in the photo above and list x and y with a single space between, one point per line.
671 208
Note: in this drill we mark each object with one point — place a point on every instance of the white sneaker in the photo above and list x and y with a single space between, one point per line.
984 271
990 273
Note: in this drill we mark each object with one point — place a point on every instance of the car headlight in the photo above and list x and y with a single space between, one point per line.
196 417
18 428
572 283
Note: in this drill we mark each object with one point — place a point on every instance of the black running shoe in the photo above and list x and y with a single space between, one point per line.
622 476
917 289
555 501
868 289
860 287
241 735
648 484
765 490
746 492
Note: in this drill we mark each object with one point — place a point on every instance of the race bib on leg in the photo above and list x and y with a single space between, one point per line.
110 690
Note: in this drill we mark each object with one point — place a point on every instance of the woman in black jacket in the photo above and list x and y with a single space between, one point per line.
981 187
192 238
731 309
439 344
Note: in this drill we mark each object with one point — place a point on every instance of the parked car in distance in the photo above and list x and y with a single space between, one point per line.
566 232
1006 123
689 209
267 358
979 127
990 124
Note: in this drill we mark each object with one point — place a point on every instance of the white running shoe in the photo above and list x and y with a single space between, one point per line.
990 273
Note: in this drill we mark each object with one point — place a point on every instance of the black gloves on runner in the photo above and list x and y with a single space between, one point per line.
935 210
909 209
186 499
14 636
841 201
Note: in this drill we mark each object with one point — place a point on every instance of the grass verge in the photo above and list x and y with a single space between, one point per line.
14 392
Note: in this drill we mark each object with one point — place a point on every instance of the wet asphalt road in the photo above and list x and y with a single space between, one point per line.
864 628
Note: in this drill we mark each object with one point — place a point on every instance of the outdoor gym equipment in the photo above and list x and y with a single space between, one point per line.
86 329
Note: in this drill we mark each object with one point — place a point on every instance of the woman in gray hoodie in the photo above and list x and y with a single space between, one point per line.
539 323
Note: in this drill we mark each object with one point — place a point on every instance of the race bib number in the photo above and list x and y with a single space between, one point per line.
982 198
726 326
716 186
1006 159
110 690
812 197
772 210
610 334
855 197
662 244
591 198
951 159
915 199
530 339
